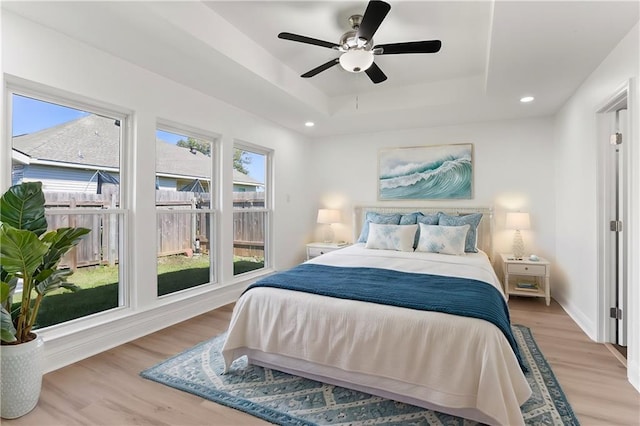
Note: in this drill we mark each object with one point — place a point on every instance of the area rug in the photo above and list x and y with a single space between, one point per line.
285 399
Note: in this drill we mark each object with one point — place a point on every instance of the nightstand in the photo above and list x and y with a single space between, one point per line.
526 277
317 249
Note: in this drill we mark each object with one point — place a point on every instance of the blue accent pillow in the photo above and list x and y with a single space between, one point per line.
417 218
427 219
391 237
380 219
470 219
409 219
442 239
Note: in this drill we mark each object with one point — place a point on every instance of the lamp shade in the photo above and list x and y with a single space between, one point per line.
518 221
328 216
356 60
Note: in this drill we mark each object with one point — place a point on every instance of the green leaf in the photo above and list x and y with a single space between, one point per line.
7 330
4 275
22 207
60 242
55 279
5 291
21 252
70 286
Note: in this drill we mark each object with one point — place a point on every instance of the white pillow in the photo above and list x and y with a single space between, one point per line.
391 237
442 239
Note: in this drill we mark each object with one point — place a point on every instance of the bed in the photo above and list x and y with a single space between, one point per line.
461 365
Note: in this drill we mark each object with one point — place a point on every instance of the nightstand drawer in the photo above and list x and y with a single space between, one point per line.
315 251
514 268
318 249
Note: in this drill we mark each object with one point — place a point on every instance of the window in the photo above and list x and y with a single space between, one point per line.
76 153
251 209
185 233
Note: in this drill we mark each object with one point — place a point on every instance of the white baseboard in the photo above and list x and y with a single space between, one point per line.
61 351
633 374
633 369
586 324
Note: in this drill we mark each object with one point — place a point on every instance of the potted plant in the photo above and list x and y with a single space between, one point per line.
29 255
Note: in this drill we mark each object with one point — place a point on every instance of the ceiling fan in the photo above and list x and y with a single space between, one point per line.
357 45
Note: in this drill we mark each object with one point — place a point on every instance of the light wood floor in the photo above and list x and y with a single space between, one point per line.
107 390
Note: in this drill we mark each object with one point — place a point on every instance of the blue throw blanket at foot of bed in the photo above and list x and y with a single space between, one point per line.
451 295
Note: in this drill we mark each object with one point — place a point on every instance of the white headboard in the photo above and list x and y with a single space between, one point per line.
485 228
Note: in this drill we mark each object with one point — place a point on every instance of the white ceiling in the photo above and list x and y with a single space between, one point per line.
463 27
492 54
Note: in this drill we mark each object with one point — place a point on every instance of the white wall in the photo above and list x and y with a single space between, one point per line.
576 131
513 170
33 55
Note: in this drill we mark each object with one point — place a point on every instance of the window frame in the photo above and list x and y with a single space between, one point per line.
268 203
40 92
213 208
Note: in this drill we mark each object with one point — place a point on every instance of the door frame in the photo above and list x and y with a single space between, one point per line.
632 88
606 332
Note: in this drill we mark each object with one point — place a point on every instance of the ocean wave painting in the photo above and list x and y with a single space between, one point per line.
429 172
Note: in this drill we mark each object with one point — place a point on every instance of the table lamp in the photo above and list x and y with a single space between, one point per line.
518 221
328 217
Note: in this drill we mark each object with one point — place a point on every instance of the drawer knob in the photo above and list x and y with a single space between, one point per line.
321 252
526 268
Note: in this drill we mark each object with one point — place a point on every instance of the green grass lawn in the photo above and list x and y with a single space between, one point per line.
99 286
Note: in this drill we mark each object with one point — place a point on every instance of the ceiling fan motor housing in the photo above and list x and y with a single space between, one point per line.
350 39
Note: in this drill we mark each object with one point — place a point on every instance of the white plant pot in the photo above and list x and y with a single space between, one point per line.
21 378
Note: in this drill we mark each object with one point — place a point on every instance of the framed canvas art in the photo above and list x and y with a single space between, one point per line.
438 172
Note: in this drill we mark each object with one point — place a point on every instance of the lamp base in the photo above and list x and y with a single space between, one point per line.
518 246
328 234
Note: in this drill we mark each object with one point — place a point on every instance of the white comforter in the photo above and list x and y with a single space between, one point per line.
463 366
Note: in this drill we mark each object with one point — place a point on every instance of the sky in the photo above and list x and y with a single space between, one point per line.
31 115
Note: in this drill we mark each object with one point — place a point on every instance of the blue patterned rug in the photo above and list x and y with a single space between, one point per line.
284 399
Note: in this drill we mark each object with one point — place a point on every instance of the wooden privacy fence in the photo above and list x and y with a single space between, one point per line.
248 226
100 246
248 237
176 231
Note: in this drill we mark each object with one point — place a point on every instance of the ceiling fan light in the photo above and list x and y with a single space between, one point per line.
356 60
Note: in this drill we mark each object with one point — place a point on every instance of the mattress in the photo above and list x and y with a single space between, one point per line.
458 365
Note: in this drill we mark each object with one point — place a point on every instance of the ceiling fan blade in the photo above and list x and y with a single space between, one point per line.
375 74
372 18
430 46
307 40
321 68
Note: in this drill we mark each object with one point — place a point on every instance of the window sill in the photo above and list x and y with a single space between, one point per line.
78 339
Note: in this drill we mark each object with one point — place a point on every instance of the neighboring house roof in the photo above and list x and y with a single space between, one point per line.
90 140
240 178
93 142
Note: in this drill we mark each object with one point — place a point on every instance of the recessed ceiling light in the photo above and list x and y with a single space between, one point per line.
309 124
527 99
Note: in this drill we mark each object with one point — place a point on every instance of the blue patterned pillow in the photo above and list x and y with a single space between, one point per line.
442 239
379 218
391 237
473 220
409 219
427 219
